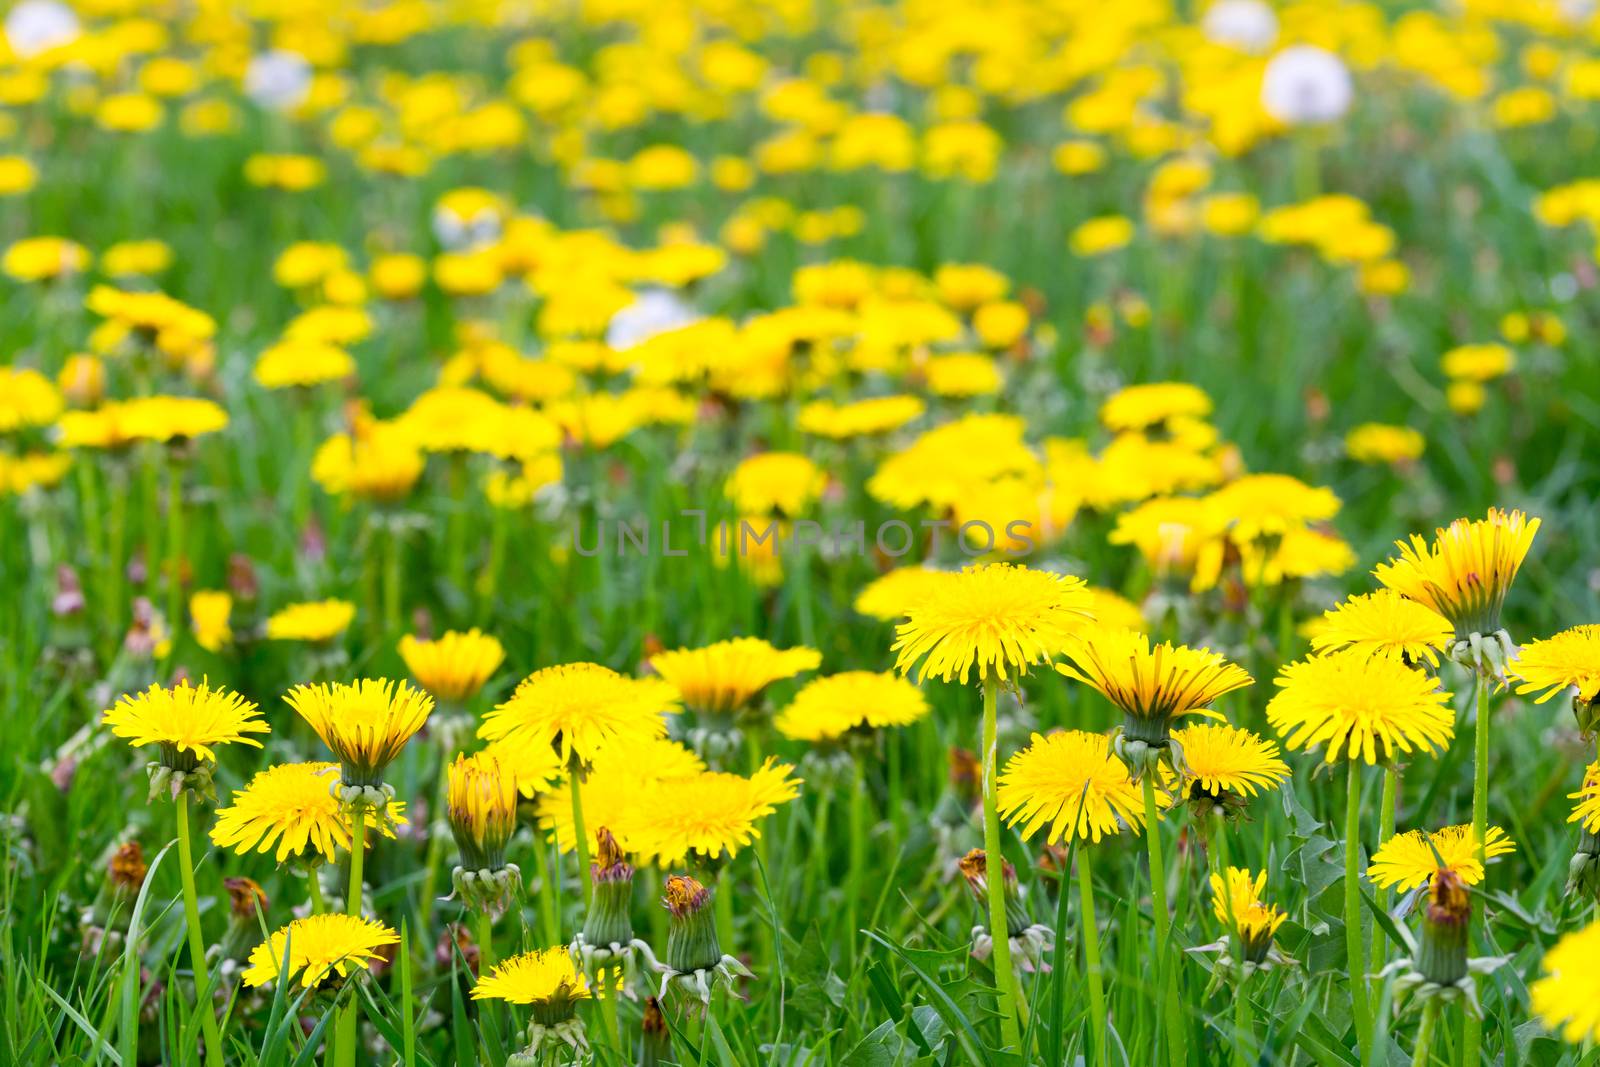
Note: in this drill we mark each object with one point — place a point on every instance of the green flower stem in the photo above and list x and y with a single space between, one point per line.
436 843
1472 1028
391 583
579 831
197 945
1163 921
1243 1024
1005 980
1391 790
1354 943
344 1041
1430 1014
548 904
1090 932
485 943
175 531
858 857
314 887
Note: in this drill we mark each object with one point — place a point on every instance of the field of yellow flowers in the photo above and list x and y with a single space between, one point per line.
771 532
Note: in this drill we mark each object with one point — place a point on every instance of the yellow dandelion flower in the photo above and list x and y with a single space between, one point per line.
728 675
998 617
829 708
1408 860
365 724
455 666
546 976
581 707
775 483
1238 906
1358 703
208 613
187 722
1567 997
1151 685
1570 659
316 621
318 946
482 808
1376 442
1111 610
1587 809
1071 780
1466 572
890 596
302 364
1384 624
291 806
1222 758
1140 407
712 814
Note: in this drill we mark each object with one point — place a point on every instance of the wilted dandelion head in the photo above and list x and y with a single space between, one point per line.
293 807
1384 623
999 617
186 721
454 666
727 676
1071 781
319 946
580 707
1465 573
1361 706
365 723
1408 860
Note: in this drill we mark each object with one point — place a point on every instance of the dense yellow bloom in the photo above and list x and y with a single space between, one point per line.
712 814
379 462
1365 707
612 787
365 723
454 666
890 596
1567 997
1100 235
1071 780
580 708
1408 860
27 399
1465 573
998 617
318 620
293 807
482 806
1222 758
544 976
728 675
1159 683
781 483
1570 659
829 708
962 374
186 719
302 363
1384 623
1239 906
1375 442
859 418
317 946
208 611
1140 407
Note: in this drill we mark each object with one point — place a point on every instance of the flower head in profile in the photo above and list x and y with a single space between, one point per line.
1385 623
187 723
579 708
1464 574
1073 782
1226 765
1371 708
863 701
291 806
454 666
712 814
1239 907
365 724
1567 997
317 622
997 617
319 946
1568 661
727 676
1409 860
1153 686
481 804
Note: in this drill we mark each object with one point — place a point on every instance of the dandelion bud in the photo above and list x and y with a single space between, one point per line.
694 959
655 1046
1442 951
112 906
1030 941
482 809
1583 870
608 921
1586 713
245 898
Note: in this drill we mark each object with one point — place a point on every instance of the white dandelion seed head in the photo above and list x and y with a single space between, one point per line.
1305 84
1248 25
278 79
34 27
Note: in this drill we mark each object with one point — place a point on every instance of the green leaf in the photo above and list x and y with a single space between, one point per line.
961 1027
102 1046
